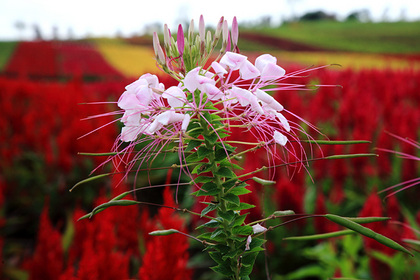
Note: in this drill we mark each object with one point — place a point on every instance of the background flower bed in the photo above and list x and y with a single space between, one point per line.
40 124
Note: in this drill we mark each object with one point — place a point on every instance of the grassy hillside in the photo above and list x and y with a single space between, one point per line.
384 37
6 49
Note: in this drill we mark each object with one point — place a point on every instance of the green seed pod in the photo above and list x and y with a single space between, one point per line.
366 232
163 232
283 213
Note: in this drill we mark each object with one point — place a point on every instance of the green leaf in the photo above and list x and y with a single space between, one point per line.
105 205
223 269
193 144
248 261
211 138
242 230
163 232
200 168
245 270
242 206
367 232
228 215
206 236
225 172
239 191
239 220
207 189
91 179
217 233
208 209
210 224
220 154
232 198
192 158
203 179
203 152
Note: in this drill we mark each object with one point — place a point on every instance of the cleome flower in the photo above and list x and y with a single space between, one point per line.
231 88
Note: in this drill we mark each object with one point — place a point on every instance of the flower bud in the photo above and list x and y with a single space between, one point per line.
191 30
160 56
180 41
235 33
202 29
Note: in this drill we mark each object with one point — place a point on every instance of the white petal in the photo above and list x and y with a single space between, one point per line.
130 133
219 69
279 138
263 60
213 92
242 95
232 60
271 72
248 242
175 96
128 101
283 121
248 71
258 228
185 122
269 100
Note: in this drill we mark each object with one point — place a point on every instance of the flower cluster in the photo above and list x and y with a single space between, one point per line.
231 88
150 109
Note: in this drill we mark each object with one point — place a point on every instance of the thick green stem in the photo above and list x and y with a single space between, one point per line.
222 204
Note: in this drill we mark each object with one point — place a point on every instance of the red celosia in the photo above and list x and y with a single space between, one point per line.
47 259
166 257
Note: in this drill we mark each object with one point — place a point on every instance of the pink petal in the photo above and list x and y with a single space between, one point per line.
219 69
248 71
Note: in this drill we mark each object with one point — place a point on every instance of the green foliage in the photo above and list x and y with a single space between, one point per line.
341 255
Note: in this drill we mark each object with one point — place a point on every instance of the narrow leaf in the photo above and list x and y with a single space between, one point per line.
91 179
336 142
97 154
110 203
350 156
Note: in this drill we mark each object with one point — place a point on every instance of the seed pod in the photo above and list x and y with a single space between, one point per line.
366 232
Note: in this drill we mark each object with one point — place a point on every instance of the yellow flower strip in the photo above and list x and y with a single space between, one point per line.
356 61
131 60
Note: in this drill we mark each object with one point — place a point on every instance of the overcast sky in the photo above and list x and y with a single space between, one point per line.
105 18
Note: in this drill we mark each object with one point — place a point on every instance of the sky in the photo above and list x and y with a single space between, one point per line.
80 18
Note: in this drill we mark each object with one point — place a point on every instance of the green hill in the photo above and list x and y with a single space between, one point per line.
384 37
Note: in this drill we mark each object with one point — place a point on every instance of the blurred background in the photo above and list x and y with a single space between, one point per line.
57 56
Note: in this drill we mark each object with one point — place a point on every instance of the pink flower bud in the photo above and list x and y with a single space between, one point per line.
201 29
180 41
235 32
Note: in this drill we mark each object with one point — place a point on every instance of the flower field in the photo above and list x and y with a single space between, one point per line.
44 87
